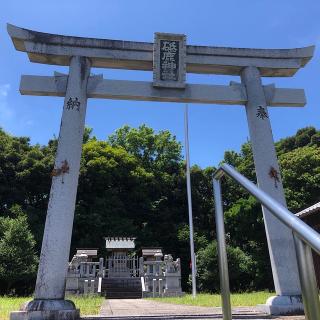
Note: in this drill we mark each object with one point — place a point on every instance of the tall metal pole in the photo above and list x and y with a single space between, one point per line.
222 252
193 259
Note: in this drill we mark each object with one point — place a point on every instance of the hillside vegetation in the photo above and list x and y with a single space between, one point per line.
133 184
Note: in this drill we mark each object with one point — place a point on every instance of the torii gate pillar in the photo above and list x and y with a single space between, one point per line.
49 302
280 239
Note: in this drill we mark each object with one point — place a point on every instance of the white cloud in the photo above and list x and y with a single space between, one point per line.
4 89
10 120
29 123
5 112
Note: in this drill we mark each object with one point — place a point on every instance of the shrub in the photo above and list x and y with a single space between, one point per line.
240 269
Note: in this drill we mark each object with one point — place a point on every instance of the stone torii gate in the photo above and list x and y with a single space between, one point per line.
170 59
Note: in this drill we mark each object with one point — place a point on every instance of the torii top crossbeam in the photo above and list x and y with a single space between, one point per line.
104 53
58 50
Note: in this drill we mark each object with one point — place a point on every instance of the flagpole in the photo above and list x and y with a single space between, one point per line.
193 260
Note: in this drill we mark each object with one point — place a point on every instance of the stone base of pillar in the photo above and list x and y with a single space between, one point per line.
47 310
283 305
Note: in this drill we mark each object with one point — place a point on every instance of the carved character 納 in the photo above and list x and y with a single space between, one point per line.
73 103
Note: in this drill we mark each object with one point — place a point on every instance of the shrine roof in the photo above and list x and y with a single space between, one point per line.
89 252
120 243
309 211
105 53
151 251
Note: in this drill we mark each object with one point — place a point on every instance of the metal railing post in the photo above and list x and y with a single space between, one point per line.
305 232
222 252
305 239
308 280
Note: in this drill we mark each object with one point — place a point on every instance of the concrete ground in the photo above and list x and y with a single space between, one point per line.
137 309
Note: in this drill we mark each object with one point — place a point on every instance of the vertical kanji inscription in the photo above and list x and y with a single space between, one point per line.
169 60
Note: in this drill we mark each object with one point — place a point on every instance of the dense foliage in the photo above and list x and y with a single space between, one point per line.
133 184
18 260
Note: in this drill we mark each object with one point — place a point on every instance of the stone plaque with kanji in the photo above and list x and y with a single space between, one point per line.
169 60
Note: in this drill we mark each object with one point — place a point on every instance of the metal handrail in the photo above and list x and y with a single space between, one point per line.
304 238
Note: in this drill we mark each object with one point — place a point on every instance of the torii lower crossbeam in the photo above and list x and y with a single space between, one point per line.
234 94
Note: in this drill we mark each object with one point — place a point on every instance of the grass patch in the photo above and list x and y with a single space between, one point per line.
214 300
8 304
88 305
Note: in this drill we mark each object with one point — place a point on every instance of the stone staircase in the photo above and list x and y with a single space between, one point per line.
121 288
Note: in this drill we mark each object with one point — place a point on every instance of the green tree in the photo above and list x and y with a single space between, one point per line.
245 230
18 260
111 194
164 207
299 162
157 151
301 176
134 184
25 178
241 269
87 134
307 136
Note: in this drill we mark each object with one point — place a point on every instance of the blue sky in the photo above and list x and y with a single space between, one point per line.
213 129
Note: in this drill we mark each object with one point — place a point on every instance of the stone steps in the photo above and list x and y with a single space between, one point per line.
194 317
121 288
187 317
159 317
148 317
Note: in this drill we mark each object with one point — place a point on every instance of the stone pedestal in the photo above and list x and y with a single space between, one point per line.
47 310
281 305
72 284
173 284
